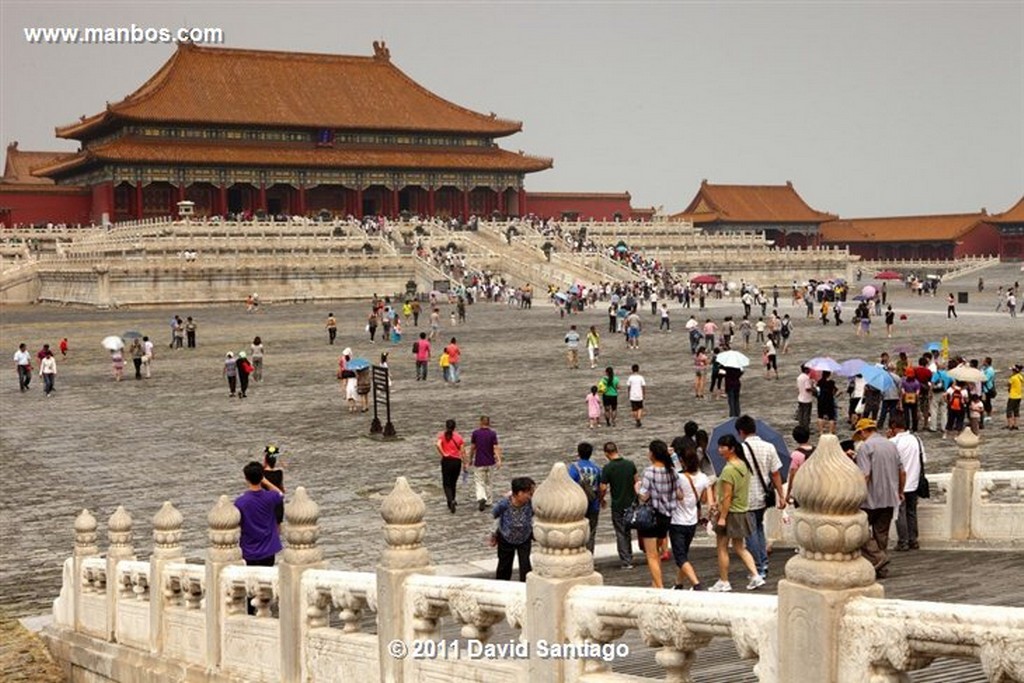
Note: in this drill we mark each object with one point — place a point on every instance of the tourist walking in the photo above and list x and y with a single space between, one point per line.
271 471
593 346
231 372
421 352
64 347
135 351
148 349
826 391
910 395
732 524
658 488
332 328
804 397
692 489
765 488
372 320
454 361
879 460
256 353
956 409
588 475
618 484
733 385
452 449
190 332
1014 392
179 333
117 361
514 535
633 325
771 363
48 371
485 454
244 369
700 370
950 306
608 387
594 407
637 388
890 320
572 348
912 459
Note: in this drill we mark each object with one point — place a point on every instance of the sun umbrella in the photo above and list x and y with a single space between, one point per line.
888 275
869 291
112 343
933 346
131 334
862 297
705 280
732 359
965 373
852 367
561 296
877 377
764 430
823 364
357 364
622 248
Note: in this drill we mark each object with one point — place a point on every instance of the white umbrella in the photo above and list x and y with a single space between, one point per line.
112 343
732 359
965 373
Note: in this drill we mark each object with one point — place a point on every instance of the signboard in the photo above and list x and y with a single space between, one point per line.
382 397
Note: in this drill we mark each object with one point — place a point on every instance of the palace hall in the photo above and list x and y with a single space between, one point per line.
256 132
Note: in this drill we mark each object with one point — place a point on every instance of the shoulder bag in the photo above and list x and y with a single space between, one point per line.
923 489
640 516
769 491
701 520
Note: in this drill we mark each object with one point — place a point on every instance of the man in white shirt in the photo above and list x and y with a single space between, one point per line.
637 386
147 357
912 457
23 361
766 467
804 397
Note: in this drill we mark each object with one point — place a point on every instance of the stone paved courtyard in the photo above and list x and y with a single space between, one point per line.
178 436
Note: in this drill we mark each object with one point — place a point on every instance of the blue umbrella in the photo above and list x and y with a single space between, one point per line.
878 378
852 367
357 364
763 430
933 346
561 296
861 297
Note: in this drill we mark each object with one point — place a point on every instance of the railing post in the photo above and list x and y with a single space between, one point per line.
85 546
830 528
561 562
166 549
300 553
961 485
224 529
119 536
403 511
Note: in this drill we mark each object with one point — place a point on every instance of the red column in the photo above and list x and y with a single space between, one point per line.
522 201
359 204
394 203
222 197
302 201
138 200
430 203
782 239
262 206
501 202
465 205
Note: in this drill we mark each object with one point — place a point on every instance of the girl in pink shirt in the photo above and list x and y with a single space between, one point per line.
594 407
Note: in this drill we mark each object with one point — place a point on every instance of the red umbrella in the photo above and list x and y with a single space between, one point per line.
705 280
888 275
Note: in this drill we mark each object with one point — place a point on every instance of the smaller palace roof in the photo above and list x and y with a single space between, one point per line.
941 228
750 204
222 86
157 151
20 164
1015 214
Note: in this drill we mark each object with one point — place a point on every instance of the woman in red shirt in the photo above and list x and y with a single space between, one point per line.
452 450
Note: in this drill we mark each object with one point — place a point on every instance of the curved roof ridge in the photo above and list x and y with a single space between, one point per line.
980 215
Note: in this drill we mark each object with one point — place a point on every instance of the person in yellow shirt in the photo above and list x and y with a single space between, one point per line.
1015 389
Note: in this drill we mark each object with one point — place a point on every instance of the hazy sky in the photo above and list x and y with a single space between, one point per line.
870 108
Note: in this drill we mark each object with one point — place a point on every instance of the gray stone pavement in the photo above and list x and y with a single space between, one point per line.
97 443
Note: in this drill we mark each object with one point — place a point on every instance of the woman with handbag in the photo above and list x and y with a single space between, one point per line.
732 525
657 490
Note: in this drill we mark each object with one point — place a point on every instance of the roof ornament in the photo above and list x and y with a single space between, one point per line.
12 146
381 51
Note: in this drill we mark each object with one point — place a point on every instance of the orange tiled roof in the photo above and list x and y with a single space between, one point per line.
750 204
138 150
1015 214
206 85
942 228
20 164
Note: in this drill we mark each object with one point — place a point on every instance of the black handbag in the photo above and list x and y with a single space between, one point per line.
923 488
641 517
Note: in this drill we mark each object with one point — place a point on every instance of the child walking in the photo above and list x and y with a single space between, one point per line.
594 407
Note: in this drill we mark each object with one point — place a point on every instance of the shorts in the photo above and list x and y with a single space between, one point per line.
632 332
737 525
636 405
1013 407
660 529
680 536
610 402
827 412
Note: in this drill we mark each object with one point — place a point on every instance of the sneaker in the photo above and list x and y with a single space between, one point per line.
626 565
679 587
698 587
721 587
756 581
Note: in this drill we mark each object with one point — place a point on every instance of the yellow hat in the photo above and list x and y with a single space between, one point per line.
865 423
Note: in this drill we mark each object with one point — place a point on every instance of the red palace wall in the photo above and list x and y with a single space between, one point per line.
1011 248
982 241
25 207
584 206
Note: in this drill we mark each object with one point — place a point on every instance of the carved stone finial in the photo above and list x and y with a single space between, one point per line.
167 530
402 511
560 527
85 534
301 531
381 51
119 530
224 529
967 445
829 525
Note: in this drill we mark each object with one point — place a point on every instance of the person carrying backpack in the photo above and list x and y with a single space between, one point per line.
244 368
802 436
956 409
588 476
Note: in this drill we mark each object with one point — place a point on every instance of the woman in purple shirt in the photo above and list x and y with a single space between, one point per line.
910 392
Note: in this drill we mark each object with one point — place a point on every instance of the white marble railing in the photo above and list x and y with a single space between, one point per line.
346 653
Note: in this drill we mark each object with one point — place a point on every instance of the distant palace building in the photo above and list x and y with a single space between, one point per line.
776 210
916 237
1011 231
